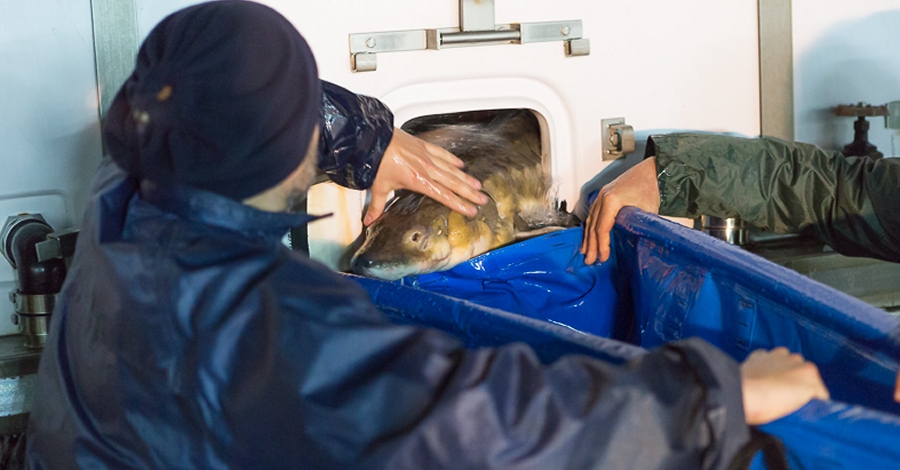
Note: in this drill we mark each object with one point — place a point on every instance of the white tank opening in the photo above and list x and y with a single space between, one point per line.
333 240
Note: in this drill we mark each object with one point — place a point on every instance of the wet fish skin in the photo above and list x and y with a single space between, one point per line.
417 235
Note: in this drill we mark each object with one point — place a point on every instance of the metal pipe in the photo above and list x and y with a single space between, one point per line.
476 37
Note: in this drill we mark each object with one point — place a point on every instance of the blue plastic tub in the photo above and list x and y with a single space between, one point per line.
665 282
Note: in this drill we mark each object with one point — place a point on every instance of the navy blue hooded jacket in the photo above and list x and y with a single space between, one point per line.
187 336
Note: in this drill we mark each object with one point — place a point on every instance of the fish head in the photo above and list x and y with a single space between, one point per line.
411 237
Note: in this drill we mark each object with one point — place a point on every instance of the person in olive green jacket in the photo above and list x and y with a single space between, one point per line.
850 203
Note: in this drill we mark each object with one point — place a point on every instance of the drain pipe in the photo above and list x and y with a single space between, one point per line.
38 280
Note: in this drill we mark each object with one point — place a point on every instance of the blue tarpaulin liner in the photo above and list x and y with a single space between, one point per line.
665 282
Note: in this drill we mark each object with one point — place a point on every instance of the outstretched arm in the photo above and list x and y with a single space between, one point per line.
847 201
359 148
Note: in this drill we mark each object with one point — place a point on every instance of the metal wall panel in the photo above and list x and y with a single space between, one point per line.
48 116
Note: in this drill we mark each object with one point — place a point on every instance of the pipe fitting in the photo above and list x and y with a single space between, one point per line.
37 281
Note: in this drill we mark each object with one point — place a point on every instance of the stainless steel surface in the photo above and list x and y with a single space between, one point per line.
616 138
391 41
32 317
476 15
115 46
476 27
364 62
731 230
578 47
776 69
471 38
872 281
34 329
550 31
34 304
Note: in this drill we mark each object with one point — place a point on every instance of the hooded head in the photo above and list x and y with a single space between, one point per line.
225 97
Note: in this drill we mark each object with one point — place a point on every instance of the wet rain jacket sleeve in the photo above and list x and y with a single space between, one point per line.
676 407
354 133
848 202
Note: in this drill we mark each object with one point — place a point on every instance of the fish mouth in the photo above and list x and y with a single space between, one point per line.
395 271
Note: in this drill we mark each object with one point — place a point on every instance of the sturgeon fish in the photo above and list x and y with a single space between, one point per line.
417 235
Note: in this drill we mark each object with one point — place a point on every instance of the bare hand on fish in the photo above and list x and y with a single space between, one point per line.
414 164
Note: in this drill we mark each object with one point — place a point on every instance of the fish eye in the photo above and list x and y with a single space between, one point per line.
368 231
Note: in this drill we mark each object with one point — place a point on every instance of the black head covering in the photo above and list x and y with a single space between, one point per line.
224 97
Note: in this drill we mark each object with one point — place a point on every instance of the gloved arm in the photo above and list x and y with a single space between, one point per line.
785 187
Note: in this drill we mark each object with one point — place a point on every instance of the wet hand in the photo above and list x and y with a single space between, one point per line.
636 187
776 383
413 164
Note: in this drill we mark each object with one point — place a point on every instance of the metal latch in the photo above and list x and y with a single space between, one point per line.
477 27
617 138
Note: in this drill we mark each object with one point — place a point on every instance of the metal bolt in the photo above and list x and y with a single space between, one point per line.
565 30
614 139
370 43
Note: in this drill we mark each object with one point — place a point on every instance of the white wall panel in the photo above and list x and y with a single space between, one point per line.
49 126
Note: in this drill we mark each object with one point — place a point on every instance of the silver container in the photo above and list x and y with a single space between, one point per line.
732 230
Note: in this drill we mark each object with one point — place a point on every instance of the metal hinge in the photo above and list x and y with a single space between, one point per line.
616 138
477 27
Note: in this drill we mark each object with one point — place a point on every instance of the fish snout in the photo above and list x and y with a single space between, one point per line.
362 264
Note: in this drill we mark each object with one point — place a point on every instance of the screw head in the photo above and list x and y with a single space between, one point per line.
565 30
370 43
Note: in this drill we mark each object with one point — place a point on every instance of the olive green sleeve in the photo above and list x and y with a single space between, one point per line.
850 202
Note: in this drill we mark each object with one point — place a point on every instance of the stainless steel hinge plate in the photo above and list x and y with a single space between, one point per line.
476 28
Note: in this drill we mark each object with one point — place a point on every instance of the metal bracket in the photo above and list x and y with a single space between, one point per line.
617 138
477 27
